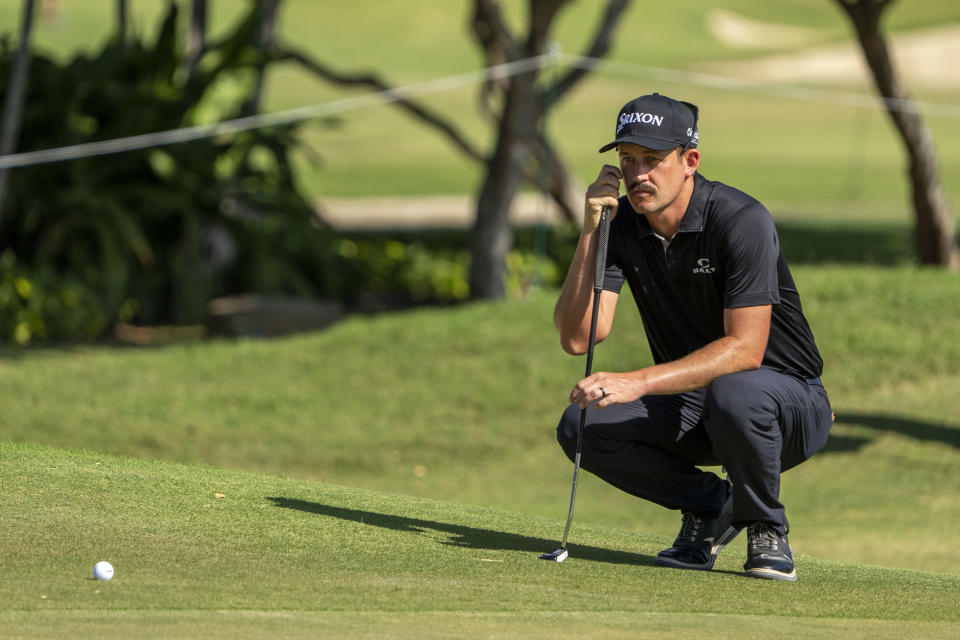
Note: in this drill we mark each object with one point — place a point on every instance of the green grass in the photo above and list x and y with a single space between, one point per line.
302 559
461 404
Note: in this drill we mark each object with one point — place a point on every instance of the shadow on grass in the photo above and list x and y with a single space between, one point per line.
910 427
844 444
463 536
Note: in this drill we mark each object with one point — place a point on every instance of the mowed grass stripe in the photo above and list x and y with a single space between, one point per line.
279 545
613 625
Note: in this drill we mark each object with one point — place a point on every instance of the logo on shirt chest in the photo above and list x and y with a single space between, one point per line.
703 267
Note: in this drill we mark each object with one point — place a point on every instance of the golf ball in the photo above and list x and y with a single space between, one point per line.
103 571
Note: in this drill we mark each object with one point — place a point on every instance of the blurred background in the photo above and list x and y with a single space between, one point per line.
398 186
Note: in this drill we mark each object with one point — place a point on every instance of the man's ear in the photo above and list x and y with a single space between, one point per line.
690 161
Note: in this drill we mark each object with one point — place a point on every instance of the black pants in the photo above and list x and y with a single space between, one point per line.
756 424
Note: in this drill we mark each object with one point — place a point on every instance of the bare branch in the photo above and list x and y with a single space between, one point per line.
492 33
280 53
602 41
197 35
263 38
122 20
550 174
865 10
499 46
542 13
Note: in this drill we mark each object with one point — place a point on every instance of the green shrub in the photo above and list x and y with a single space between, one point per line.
432 266
39 306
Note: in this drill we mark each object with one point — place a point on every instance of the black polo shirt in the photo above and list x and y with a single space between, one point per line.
726 254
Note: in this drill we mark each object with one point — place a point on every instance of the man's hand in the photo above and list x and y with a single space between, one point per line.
604 192
604 389
742 349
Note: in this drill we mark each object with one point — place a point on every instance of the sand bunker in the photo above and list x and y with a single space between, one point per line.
927 58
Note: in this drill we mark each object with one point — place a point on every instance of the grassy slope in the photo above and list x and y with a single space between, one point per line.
304 559
461 404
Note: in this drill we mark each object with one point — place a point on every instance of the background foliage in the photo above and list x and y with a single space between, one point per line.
151 235
194 221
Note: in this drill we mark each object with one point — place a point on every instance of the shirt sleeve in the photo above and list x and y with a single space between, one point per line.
751 250
612 276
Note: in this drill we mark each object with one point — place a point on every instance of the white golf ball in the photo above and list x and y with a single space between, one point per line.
103 571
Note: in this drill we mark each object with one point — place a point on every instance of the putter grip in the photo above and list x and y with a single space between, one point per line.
601 264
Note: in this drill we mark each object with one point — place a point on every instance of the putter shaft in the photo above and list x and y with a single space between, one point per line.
599 267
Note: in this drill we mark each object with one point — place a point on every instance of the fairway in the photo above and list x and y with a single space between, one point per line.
302 559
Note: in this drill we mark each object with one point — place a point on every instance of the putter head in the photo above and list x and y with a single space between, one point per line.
559 555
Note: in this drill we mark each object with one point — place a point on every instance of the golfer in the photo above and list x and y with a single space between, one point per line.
736 379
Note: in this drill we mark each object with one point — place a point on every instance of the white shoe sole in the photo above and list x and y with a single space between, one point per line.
772 574
676 564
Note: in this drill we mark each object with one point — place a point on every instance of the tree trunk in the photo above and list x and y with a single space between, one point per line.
522 151
16 93
492 235
935 231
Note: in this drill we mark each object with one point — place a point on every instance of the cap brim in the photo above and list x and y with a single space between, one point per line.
650 143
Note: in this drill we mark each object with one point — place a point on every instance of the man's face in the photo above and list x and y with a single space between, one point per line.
652 178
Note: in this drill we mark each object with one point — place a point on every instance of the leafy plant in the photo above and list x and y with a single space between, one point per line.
39 305
159 231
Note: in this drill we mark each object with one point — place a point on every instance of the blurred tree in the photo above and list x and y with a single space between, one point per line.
935 233
522 148
517 106
14 99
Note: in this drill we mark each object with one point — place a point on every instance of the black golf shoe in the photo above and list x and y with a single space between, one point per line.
768 554
699 541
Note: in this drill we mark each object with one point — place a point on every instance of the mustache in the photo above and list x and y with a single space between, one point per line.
644 187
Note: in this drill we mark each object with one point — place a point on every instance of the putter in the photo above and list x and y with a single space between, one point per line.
562 554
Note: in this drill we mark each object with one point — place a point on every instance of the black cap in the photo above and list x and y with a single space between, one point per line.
657 122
